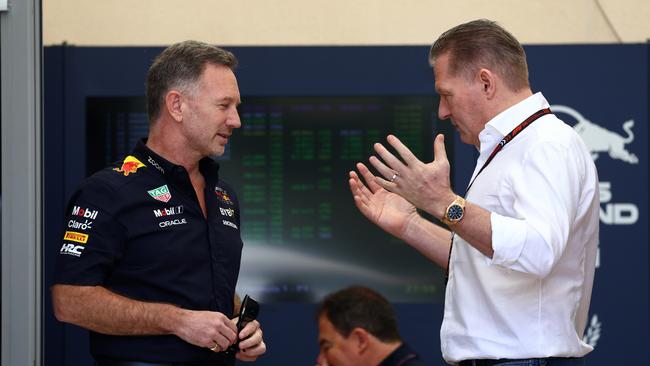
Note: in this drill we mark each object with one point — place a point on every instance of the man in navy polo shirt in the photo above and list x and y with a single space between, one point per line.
151 252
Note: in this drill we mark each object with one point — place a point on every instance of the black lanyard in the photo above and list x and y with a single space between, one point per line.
506 139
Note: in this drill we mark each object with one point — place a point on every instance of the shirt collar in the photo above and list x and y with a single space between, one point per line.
401 354
506 121
208 167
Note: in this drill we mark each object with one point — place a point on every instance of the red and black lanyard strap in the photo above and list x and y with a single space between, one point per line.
506 139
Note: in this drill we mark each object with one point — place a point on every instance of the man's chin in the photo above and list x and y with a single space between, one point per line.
215 154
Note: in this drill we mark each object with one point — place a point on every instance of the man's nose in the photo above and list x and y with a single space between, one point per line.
443 110
321 361
233 119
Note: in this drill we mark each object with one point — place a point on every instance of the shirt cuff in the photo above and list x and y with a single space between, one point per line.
508 239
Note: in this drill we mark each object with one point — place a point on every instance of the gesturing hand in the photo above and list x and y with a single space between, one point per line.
427 186
383 208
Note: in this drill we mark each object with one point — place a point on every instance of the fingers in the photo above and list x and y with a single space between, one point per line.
225 334
357 187
227 328
359 191
384 170
207 329
391 161
368 177
440 154
252 343
251 354
252 334
218 343
402 150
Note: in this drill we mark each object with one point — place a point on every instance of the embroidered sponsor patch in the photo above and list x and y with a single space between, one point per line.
227 212
168 211
86 225
84 212
72 249
129 166
172 222
155 164
223 196
75 236
228 223
161 193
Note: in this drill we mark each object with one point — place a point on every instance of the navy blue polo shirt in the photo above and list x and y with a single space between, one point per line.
137 229
403 356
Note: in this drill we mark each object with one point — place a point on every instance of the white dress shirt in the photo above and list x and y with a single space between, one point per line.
531 299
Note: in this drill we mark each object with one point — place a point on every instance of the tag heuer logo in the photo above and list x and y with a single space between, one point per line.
161 193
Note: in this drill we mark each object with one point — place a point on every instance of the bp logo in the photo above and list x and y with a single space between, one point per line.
161 193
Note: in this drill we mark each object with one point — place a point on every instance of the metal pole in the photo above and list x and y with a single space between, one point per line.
20 95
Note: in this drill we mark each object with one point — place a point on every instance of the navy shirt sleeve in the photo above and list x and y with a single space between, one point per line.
92 238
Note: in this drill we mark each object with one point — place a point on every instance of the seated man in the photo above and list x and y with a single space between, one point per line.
357 327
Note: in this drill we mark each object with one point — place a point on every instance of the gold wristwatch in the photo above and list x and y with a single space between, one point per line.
455 211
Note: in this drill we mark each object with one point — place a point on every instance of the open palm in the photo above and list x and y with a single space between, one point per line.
387 210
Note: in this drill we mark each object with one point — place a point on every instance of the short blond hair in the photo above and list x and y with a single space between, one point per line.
483 44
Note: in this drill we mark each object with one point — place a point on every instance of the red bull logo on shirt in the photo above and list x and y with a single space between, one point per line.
222 195
130 165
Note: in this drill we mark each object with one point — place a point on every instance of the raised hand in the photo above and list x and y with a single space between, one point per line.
427 186
387 210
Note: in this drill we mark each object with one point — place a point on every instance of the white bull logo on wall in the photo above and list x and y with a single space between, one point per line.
599 139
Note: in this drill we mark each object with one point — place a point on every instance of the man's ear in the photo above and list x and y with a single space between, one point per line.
361 339
487 82
173 105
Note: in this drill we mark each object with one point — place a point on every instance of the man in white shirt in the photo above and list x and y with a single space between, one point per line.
521 262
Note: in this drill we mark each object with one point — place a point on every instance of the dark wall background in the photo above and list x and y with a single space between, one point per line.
606 84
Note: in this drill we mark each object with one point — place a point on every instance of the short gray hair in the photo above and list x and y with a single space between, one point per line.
181 66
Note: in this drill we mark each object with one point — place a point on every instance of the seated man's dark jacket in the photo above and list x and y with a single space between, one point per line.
403 356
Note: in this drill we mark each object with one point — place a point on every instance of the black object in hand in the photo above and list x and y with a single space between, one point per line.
248 312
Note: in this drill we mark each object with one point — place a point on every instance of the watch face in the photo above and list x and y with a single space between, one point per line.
455 213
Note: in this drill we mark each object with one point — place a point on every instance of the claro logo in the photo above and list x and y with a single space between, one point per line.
599 139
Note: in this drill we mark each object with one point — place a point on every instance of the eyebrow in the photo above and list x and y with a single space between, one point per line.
229 99
441 90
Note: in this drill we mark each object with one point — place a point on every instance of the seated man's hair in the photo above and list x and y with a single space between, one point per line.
360 307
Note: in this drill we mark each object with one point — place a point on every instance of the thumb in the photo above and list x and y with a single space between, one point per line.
440 154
